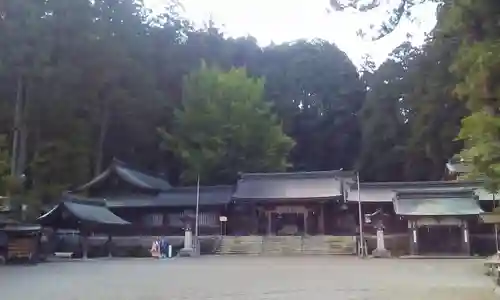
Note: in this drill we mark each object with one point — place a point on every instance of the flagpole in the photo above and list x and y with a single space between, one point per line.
196 224
496 225
360 213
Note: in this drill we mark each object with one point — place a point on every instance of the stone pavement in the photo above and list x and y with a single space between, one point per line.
252 278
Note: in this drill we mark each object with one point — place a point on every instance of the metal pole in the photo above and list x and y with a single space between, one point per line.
495 225
197 212
360 213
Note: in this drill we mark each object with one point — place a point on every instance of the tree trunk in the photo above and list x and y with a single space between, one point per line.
18 128
23 134
103 129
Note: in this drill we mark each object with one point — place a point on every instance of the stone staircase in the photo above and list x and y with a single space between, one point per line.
288 245
282 245
250 245
329 245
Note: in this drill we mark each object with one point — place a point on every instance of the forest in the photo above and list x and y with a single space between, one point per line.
83 82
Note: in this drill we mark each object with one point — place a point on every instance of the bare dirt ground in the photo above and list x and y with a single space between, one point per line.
251 278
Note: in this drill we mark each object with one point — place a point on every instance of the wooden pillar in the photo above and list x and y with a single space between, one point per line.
412 226
269 219
84 242
321 219
305 214
465 238
109 245
255 220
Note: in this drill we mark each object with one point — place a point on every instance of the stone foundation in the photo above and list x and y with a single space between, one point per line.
137 246
288 245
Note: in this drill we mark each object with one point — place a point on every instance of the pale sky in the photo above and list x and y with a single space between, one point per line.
287 20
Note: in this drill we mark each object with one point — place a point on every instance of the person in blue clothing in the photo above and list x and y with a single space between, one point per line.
164 248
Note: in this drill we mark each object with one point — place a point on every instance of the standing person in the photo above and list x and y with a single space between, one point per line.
164 248
155 248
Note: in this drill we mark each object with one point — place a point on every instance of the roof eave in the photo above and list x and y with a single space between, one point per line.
270 199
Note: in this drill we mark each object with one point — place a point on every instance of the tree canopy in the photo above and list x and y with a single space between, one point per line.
224 127
82 82
468 31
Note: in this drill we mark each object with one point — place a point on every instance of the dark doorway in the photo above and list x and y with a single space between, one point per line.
439 240
289 224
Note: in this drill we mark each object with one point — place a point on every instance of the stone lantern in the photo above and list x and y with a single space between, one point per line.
187 250
378 222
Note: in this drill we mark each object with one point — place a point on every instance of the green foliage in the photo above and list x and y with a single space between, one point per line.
97 78
57 167
475 23
4 165
384 119
396 12
481 133
470 31
411 116
317 92
224 127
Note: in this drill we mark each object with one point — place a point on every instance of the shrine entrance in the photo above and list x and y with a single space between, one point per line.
289 224
439 236
294 220
440 240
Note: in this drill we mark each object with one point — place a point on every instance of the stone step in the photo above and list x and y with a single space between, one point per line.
282 245
241 245
329 245
288 245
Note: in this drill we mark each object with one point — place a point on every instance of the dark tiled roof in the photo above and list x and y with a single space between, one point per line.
490 218
81 209
4 205
385 191
450 202
20 227
456 192
458 167
288 186
130 175
178 197
417 184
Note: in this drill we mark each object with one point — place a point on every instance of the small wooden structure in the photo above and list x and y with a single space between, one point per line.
82 214
438 219
492 263
20 241
17 240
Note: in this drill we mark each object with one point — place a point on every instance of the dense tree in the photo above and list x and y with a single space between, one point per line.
317 92
385 116
84 81
4 165
471 27
76 75
224 127
475 24
396 11
436 113
411 117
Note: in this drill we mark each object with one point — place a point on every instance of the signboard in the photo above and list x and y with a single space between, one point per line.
368 219
223 218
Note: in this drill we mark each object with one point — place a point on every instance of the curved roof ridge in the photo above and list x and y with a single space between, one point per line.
202 188
430 184
131 175
436 191
307 174
120 163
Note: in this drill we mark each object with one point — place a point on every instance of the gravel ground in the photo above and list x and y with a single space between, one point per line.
252 278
